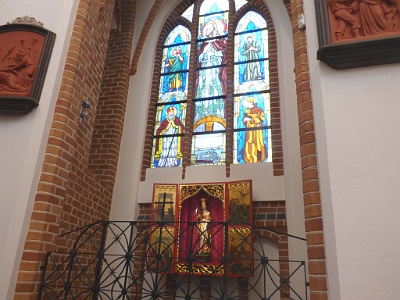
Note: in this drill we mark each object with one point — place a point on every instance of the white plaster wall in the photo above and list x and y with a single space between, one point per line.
357 115
23 138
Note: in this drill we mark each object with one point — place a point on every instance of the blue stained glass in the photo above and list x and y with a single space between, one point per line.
252 112
252 146
257 84
251 21
175 62
251 51
179 34
253 45
212 6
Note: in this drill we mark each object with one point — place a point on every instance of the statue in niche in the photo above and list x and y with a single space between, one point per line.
17 67
344 12
363 18
203 218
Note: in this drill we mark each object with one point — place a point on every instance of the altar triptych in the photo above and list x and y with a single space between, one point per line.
202 228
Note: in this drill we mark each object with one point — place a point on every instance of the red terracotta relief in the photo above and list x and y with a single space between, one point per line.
358 19
19 57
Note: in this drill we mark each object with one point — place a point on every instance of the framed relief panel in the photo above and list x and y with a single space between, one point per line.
357 33
24 57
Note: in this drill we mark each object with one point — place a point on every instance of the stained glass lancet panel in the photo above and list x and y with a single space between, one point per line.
208 146
252 133
172 100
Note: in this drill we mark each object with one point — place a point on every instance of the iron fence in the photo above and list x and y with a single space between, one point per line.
161 260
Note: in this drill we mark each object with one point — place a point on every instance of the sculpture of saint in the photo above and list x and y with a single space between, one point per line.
17 69
203 218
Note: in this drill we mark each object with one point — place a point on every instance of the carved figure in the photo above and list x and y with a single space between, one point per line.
344 12
373 18
391 10
203 217
17 68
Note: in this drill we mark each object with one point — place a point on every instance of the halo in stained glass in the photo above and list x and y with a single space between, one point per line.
188 14
213 26
213 6
247 104
208 149
251 21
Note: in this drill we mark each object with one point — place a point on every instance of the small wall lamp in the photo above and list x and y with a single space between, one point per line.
84 111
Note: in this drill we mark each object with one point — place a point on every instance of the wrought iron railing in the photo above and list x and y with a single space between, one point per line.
161 260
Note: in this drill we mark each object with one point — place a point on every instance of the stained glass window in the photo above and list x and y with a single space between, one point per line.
172 100
211 83
250 100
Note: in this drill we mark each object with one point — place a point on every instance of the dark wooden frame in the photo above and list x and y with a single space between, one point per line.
353 54
24 104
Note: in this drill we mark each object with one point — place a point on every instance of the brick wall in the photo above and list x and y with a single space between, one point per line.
72 192
311 192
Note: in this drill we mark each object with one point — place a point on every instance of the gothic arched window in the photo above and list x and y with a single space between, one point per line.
213 103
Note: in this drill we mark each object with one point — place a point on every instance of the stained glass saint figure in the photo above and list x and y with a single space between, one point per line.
211 55
168 149
174 63
250 50
254 146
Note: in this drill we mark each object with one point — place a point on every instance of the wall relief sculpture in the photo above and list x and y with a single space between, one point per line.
355 33
363 18
25 50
